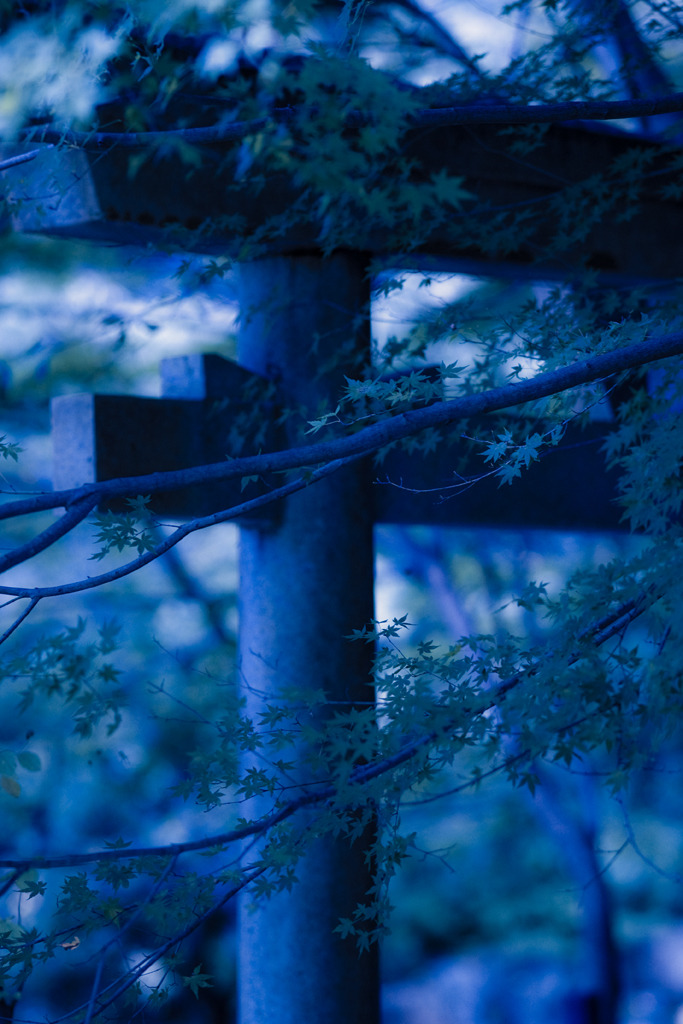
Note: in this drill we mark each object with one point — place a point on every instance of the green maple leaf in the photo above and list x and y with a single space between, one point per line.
448 189
197 980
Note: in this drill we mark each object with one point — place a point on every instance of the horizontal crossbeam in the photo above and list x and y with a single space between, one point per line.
93 196
205 415
205 412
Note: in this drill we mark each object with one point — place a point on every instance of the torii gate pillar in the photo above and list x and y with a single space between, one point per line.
305 583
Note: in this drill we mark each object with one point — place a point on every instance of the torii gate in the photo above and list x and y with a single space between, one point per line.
306 579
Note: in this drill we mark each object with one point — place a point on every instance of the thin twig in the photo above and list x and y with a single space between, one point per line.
95 988
193 526
670 876
18 621
22 158
130 979
7 885
65 524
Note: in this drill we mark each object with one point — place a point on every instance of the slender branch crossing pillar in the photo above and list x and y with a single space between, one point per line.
305 583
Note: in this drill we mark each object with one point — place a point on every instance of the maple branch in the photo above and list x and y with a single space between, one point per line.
74 515
598 633
193 526
432 117
19 619
120 985
363 442
254 828
550 113
20 158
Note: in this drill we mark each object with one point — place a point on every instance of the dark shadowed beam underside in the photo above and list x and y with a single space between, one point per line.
101 437
77 194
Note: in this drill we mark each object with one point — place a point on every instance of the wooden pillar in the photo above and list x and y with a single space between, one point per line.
304 584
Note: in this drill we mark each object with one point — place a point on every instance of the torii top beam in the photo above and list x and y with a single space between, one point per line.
92 195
